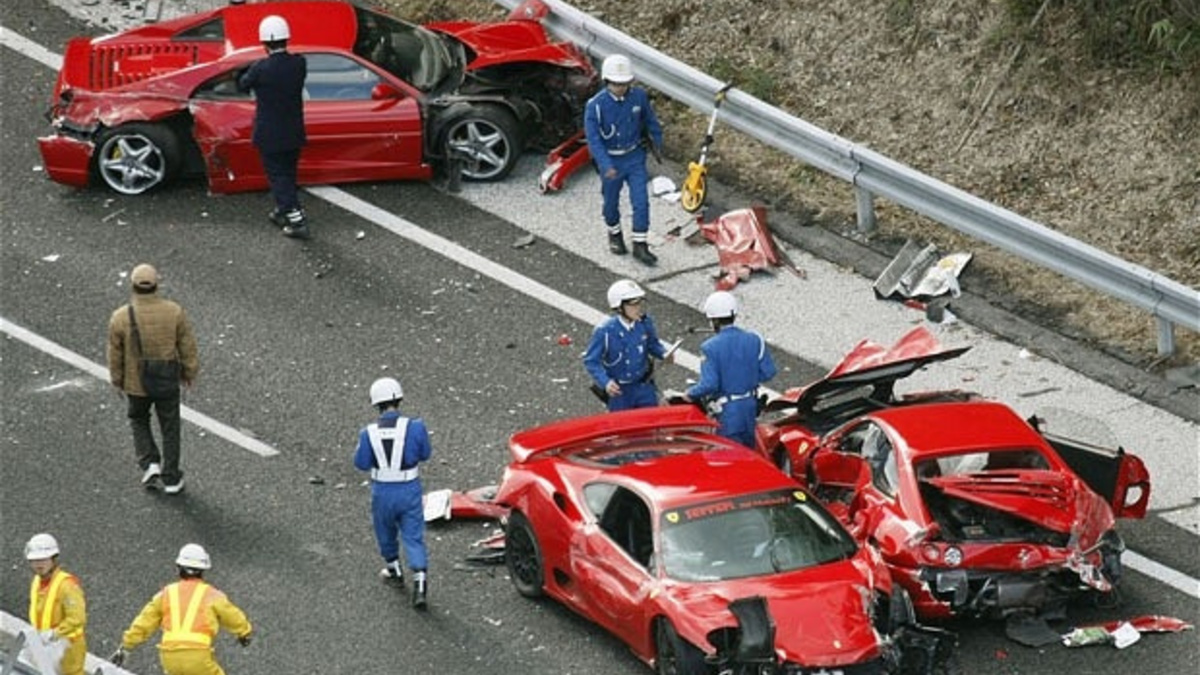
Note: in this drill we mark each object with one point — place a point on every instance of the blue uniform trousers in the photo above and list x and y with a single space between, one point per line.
737 419
396 509
636 395
631 170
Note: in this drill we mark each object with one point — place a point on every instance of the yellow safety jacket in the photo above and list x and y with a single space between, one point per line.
190 614
58 604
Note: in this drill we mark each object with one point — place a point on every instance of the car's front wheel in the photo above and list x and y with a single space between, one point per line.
135 158
484 142
674 655
523 555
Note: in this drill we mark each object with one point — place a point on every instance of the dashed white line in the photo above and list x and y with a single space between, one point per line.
100 372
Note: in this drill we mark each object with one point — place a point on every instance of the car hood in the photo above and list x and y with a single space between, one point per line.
510 42
869 363
820 616
1053 500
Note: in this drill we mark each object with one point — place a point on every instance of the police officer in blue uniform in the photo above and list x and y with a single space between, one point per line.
391 448
278 85
735 362
618 356
617 122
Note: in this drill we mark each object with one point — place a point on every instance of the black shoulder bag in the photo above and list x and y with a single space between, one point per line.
160 378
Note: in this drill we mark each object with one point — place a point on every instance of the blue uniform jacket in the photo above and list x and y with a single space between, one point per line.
735 362
278 85
622 354
416 448
618 124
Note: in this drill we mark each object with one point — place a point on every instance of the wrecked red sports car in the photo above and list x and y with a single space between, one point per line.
385 99
976 511
698 554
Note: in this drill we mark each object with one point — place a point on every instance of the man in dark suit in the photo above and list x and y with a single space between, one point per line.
278 85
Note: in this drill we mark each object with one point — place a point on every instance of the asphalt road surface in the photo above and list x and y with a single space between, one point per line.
291 335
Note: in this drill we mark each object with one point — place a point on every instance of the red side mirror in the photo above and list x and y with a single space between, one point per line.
383 91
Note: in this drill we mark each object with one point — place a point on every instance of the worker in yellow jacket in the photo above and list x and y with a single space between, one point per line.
57 609
190 613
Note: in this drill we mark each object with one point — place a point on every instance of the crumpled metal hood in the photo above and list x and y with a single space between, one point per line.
817 622
1046 498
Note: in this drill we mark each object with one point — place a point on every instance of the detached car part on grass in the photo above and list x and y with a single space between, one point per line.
384 99
977 511
699 555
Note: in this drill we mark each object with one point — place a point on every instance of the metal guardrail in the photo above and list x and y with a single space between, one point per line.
1172 303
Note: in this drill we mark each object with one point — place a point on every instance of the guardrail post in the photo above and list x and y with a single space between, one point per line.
1166 337
866 210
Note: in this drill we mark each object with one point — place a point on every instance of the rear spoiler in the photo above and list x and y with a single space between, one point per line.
524 445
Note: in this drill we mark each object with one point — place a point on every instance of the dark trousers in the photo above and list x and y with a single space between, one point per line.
281 175
167 411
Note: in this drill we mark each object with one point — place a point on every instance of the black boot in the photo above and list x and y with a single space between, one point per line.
641 251
616 244
420 588
277 218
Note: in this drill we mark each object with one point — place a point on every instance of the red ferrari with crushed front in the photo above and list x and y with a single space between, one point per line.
697 553
977 511
384 99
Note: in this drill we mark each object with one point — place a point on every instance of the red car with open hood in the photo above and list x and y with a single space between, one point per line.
976 510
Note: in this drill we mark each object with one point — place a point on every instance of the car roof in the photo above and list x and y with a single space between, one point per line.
962 426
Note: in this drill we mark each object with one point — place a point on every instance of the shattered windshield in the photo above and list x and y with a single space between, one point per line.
411 53
752 535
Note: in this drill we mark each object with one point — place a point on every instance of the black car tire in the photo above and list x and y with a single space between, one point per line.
135 158
485 142
523 556
675 656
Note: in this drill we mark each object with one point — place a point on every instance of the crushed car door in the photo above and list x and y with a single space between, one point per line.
1119 477
223 120
611 559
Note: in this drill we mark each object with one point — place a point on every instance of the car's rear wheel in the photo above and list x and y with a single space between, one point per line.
135 158
674 655
523 555
485 142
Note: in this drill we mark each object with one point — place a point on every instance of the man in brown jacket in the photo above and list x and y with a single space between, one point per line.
163 333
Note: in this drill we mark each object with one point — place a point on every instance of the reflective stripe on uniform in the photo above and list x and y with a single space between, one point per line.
387 469
184 630
43 620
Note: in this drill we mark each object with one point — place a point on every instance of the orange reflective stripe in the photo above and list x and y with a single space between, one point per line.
44 621
184 630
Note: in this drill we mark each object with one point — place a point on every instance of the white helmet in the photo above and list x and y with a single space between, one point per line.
720 305
386 390
622 291
41 547
193 556
617 68
273 28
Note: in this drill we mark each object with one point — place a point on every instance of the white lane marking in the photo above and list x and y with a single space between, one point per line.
100 372
1155 570
533 289
468 258
33 50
